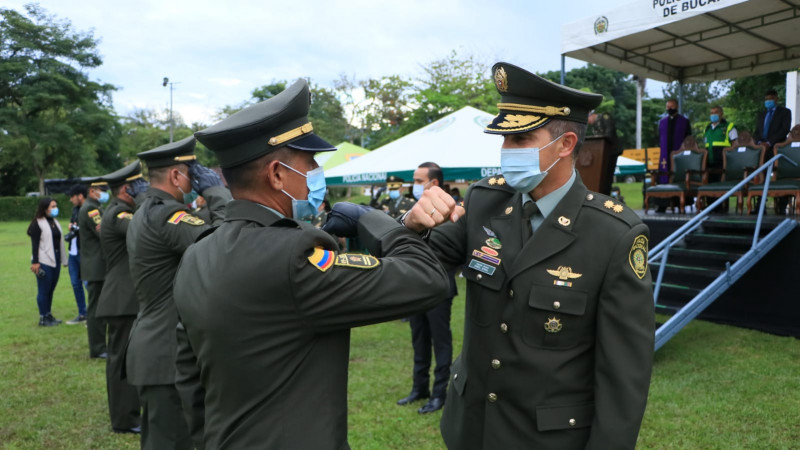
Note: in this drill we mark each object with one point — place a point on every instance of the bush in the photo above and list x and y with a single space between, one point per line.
23 208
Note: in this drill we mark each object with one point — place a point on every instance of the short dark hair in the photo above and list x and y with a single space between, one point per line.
434 172
717 107
159 174
772 92
672 100
78 189
244 176
558 127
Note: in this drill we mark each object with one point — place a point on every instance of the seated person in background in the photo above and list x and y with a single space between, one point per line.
617 194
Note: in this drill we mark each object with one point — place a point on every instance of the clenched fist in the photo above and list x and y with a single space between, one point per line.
435 207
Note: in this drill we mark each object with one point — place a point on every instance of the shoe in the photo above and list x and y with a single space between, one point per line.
134 430
52 319
412 397
79 319
434 404
103 355
45 322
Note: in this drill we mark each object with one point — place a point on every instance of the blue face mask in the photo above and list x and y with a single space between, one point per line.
103 197
188 197
714 118
769 104
521 169
315 181
418 189
394 194
54 212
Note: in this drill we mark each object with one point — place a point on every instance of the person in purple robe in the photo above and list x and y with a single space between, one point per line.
672 129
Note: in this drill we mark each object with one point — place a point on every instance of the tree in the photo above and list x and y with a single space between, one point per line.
146 129
388 104
55 120
745 99
697 101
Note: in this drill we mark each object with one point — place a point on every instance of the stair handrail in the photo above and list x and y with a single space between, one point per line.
661 251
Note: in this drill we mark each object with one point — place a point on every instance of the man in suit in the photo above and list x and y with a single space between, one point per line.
773 124
267 301
93 265
559 328
431 328
117 305
160 231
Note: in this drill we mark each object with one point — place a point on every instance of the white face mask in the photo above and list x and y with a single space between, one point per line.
521 169
418 189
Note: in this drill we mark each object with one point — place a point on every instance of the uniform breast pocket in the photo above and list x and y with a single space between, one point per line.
556 318
483 296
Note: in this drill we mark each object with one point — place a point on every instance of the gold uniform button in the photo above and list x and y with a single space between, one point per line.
495 364
556 305
511 293
492 397
479 276
503 328
572 422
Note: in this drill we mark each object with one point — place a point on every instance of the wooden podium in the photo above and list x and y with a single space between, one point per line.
593 164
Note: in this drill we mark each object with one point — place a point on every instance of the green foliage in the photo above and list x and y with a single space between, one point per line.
56 121
146 129
24 208
745 99
698 98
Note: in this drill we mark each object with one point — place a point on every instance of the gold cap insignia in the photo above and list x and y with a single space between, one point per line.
501 79
563 221
637 257
509 209
501 181
564 273
492 181
553 325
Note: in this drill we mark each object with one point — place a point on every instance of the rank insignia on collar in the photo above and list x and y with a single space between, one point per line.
616 207
553 325
564 273
501 181
563 221
492 181
637 257
489 232
509 209
494 243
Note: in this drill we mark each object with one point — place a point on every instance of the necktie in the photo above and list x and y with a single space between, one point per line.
529 209
767 121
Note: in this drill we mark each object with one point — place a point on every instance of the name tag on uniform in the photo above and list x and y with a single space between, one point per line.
482 267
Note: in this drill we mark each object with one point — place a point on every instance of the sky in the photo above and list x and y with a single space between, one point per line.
217 52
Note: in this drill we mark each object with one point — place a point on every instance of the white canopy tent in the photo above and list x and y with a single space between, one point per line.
456 142
692 40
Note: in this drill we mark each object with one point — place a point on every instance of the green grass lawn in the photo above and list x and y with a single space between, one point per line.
713 386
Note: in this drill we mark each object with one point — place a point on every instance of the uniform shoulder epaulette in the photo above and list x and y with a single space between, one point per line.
495 182
612 207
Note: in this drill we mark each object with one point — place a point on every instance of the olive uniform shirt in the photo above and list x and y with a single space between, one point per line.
160 231
93 264
268 303
559 329
398 207
118 297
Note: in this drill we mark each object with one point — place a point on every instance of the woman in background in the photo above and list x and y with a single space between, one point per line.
47 257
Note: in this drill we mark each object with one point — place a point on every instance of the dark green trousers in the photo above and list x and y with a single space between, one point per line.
124 408
96 328
163 424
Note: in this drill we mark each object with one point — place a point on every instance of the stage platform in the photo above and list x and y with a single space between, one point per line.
766 298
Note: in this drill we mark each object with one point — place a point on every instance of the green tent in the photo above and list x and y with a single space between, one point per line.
345 152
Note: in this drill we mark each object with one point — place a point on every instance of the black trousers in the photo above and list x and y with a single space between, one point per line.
163 424
432 329
95 327
124 408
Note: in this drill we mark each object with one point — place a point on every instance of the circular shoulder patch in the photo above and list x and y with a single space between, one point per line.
637 257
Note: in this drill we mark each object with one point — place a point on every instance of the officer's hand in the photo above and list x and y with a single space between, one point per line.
434 208
136 187
203 177
343 219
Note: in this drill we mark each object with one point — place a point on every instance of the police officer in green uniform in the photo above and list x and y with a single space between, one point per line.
93 264
161 230
118 306
267 301
559 328
395 204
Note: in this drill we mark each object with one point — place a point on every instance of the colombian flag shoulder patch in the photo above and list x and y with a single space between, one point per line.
322 259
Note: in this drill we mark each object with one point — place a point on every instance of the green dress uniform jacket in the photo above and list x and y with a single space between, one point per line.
268 303
559 329
161 230
396 208
93 264
118 297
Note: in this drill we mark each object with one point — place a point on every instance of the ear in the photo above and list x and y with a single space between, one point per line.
567 144
174 176
273 172
435 182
